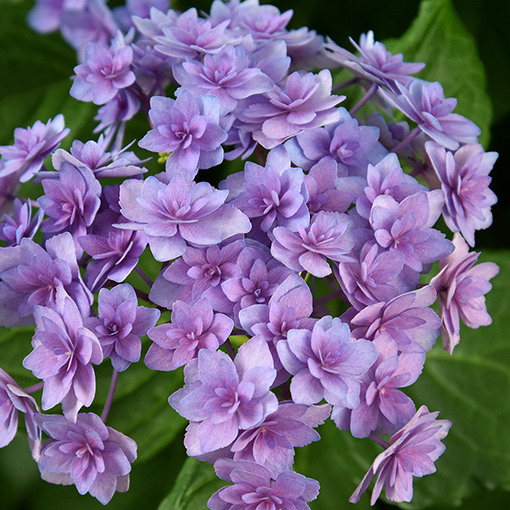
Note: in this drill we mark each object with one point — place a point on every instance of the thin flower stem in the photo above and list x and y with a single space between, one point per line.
34 388
230 349
407 140
109 398
144 276
379 441
371 91
345 84
143 295
324 299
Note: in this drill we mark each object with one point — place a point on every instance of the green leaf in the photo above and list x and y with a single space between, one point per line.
438 38
196 483
469 388
39 69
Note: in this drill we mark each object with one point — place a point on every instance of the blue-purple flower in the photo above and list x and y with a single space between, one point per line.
229 75
13 400
326 363
424 103
21 225
329 236
188 128
192 328
71 201
120 323
33 276
222 396
272 442
105 71
177 213
95 458
303 102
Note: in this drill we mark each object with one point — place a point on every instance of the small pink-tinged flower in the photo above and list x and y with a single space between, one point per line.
12 400
63 352
465 180
31 146
86 453
412 452
105 71
424 103
222 396
120 323
192 328
461 289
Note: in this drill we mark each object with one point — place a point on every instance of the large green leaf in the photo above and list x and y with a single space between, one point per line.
35 81
438 38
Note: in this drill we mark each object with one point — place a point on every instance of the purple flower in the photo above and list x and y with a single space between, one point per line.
115 253
22 225
302 102
222 396
229 75
120 323
188 128
190 36
326 363
86 453
374 278
352 146
176 213
192 328
330 235
465 181
461 290
383 409
321 185
412 452
376 63
71 201
199 272
407 228
33 276
256 489
31 146
386 178
121 108
105 71
406 319
63 352
103 164
290 307
12 400
274 193
271 444
424 103
260 276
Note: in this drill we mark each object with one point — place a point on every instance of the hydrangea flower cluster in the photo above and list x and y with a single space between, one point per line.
325 195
